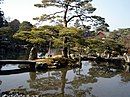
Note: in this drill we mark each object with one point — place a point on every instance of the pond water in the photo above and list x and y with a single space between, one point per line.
91 80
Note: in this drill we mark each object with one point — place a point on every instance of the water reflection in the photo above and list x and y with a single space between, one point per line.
54 82
125 77
0 82
91 80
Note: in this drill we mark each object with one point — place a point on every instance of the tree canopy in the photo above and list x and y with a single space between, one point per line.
3 22
25 26
14 25
70 11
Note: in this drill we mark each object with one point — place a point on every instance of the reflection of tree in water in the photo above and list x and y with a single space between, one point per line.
0 82
104 70
0 67
78 82
107 70
76 86
50 85
44 83
54 85
82 79
125 77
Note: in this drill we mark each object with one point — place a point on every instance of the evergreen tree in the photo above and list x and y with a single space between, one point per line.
14 25
3 22
70 11
25 26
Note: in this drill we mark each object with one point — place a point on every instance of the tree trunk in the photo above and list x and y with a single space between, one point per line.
64 52
69 52
63 81
0 67
49 49
65 15
33 53
65 49
32 76
65 23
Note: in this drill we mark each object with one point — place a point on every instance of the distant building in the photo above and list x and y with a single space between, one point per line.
102 34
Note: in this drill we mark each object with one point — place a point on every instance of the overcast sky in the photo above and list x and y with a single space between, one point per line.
116 12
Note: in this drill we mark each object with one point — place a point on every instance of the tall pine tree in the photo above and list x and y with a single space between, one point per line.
67 12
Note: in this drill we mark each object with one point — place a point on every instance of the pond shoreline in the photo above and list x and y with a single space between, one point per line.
60 62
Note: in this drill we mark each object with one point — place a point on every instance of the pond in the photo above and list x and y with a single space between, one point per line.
91 80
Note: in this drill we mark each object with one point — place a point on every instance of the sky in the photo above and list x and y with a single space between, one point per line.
116 12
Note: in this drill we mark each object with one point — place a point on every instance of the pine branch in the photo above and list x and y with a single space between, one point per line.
73 17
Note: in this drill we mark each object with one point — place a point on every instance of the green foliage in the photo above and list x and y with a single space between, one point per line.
103 27
112 45
30 37
37 41
39 35
120 35
95 45
3 22
55 35
71 32
70 10
25 26
6 31
14 25
100 46
23 35
57 43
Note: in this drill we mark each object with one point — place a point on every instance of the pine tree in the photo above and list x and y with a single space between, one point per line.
69 12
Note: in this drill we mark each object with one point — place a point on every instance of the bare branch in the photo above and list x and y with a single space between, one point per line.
57 12
73 17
